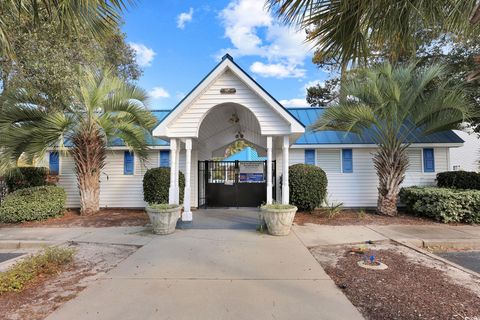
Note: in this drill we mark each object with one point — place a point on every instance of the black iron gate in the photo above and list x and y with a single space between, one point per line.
233 183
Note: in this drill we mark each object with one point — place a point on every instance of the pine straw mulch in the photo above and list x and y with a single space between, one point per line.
406 290
356 217
103 218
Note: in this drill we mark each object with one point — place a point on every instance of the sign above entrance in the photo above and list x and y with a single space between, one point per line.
228 90
251 172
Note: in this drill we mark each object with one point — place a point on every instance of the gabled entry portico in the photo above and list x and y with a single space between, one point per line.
225 106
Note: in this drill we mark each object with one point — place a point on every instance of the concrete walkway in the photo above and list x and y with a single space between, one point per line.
218 267
432 235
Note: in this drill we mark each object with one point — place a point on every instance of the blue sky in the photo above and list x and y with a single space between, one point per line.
179 42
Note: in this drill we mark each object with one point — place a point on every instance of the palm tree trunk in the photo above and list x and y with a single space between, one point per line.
89 156
391 163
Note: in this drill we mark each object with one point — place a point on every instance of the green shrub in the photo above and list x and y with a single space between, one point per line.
445 205
156 184
48 261
308 186
37 203
459 180
26 177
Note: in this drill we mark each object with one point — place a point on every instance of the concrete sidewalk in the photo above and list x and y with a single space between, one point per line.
219 267
138 236
313 235
214 274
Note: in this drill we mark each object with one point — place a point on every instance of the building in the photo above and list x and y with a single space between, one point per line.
467 157
228 105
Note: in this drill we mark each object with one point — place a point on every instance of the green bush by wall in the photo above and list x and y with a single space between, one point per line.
445 205
156 183
26 177
459 180
36 203
308 186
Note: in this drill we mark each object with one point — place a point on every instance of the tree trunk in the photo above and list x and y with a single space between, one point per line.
89 155
391 163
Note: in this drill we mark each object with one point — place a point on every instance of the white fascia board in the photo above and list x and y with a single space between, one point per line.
113 148
360 146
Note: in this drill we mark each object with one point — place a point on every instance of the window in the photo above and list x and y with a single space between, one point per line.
428 160
347 160
128 163
310 156
54 163
165 158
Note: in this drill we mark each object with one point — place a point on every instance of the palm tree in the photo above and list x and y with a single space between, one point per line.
347 30
95 16
392 103
105 108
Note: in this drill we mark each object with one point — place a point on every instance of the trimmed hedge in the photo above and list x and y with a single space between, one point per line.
26 177
459 180
156 183
445 205
308 186
37 203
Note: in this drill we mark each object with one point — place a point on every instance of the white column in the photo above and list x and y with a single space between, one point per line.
285 161
187 213
269 170
177 173
173 162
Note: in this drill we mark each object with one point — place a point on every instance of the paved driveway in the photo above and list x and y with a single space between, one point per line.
467 259
211 273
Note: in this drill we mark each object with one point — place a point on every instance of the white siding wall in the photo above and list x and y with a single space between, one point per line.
359 189
118 189
466 157
187 123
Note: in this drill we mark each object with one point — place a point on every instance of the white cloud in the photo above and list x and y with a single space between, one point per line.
143 54
295 103
183 18
158 92
276 70
254 32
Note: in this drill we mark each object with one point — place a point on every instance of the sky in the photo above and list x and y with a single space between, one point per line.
178 42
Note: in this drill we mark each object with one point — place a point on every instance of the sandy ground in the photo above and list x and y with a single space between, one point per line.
46 294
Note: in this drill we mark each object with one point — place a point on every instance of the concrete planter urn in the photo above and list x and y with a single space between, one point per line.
163 217
278 218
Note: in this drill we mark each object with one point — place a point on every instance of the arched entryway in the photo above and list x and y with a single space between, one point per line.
227 104
225 182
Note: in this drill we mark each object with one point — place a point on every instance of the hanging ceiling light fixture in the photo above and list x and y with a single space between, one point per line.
234 118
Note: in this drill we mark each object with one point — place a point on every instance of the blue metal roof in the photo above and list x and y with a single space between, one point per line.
247 154
308 116
160 115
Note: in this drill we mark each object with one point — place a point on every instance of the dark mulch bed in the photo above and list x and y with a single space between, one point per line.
353 217
104 218
406 290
